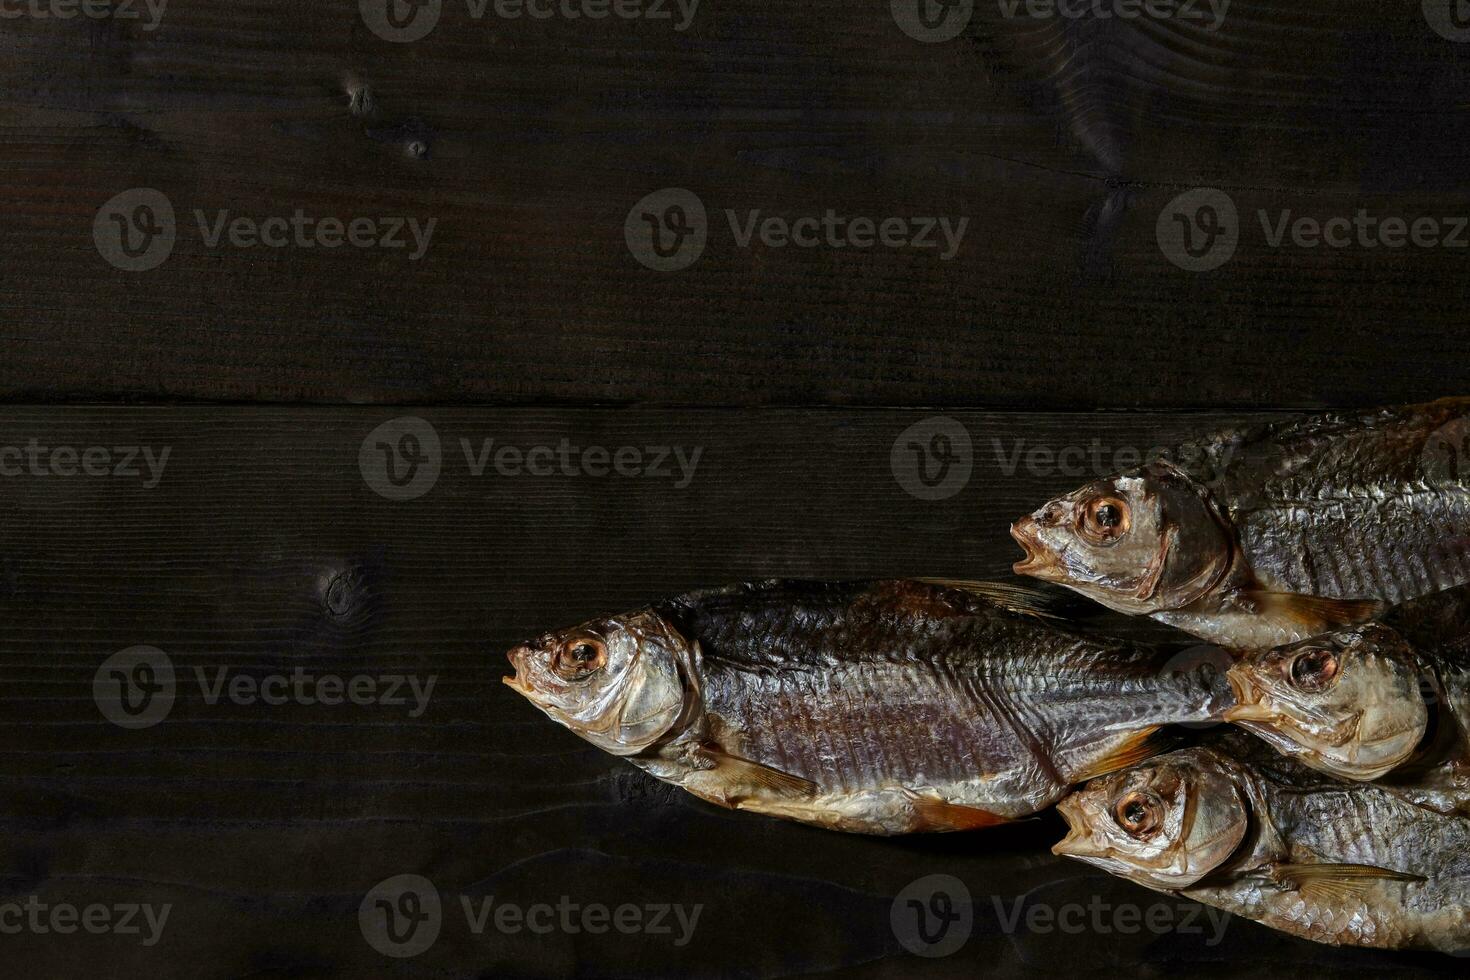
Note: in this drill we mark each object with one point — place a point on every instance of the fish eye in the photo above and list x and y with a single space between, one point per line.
1139 814
1314 671
579 657
1104 520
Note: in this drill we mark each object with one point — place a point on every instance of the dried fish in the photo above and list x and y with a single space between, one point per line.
882 707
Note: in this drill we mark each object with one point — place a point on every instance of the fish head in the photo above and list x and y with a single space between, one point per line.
1142 542
1166 823
1349 703
621 682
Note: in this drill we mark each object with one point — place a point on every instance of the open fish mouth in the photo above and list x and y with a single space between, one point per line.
1078 842
1248 706
514 682
1039 560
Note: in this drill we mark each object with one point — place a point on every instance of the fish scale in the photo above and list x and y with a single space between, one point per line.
795 723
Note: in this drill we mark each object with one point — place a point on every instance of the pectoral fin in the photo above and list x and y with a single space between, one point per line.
1313 614
936 816
1144 744
1335 883
744 772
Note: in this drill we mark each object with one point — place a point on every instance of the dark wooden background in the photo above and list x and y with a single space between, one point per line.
529 321
529 142
262 549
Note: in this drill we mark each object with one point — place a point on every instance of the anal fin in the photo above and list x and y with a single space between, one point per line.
937 816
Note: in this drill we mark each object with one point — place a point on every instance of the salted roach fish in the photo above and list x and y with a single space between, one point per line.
1239 828
1387 701
879 707
1269 534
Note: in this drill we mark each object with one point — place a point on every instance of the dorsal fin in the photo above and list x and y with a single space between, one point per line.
1025 599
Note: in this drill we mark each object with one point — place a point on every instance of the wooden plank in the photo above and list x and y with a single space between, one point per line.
528 142
262 549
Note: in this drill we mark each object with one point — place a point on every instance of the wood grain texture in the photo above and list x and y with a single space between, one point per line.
529 141
262 549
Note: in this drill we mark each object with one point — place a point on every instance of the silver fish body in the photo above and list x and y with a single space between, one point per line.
1340 863
1270 534
1387 701
891 707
